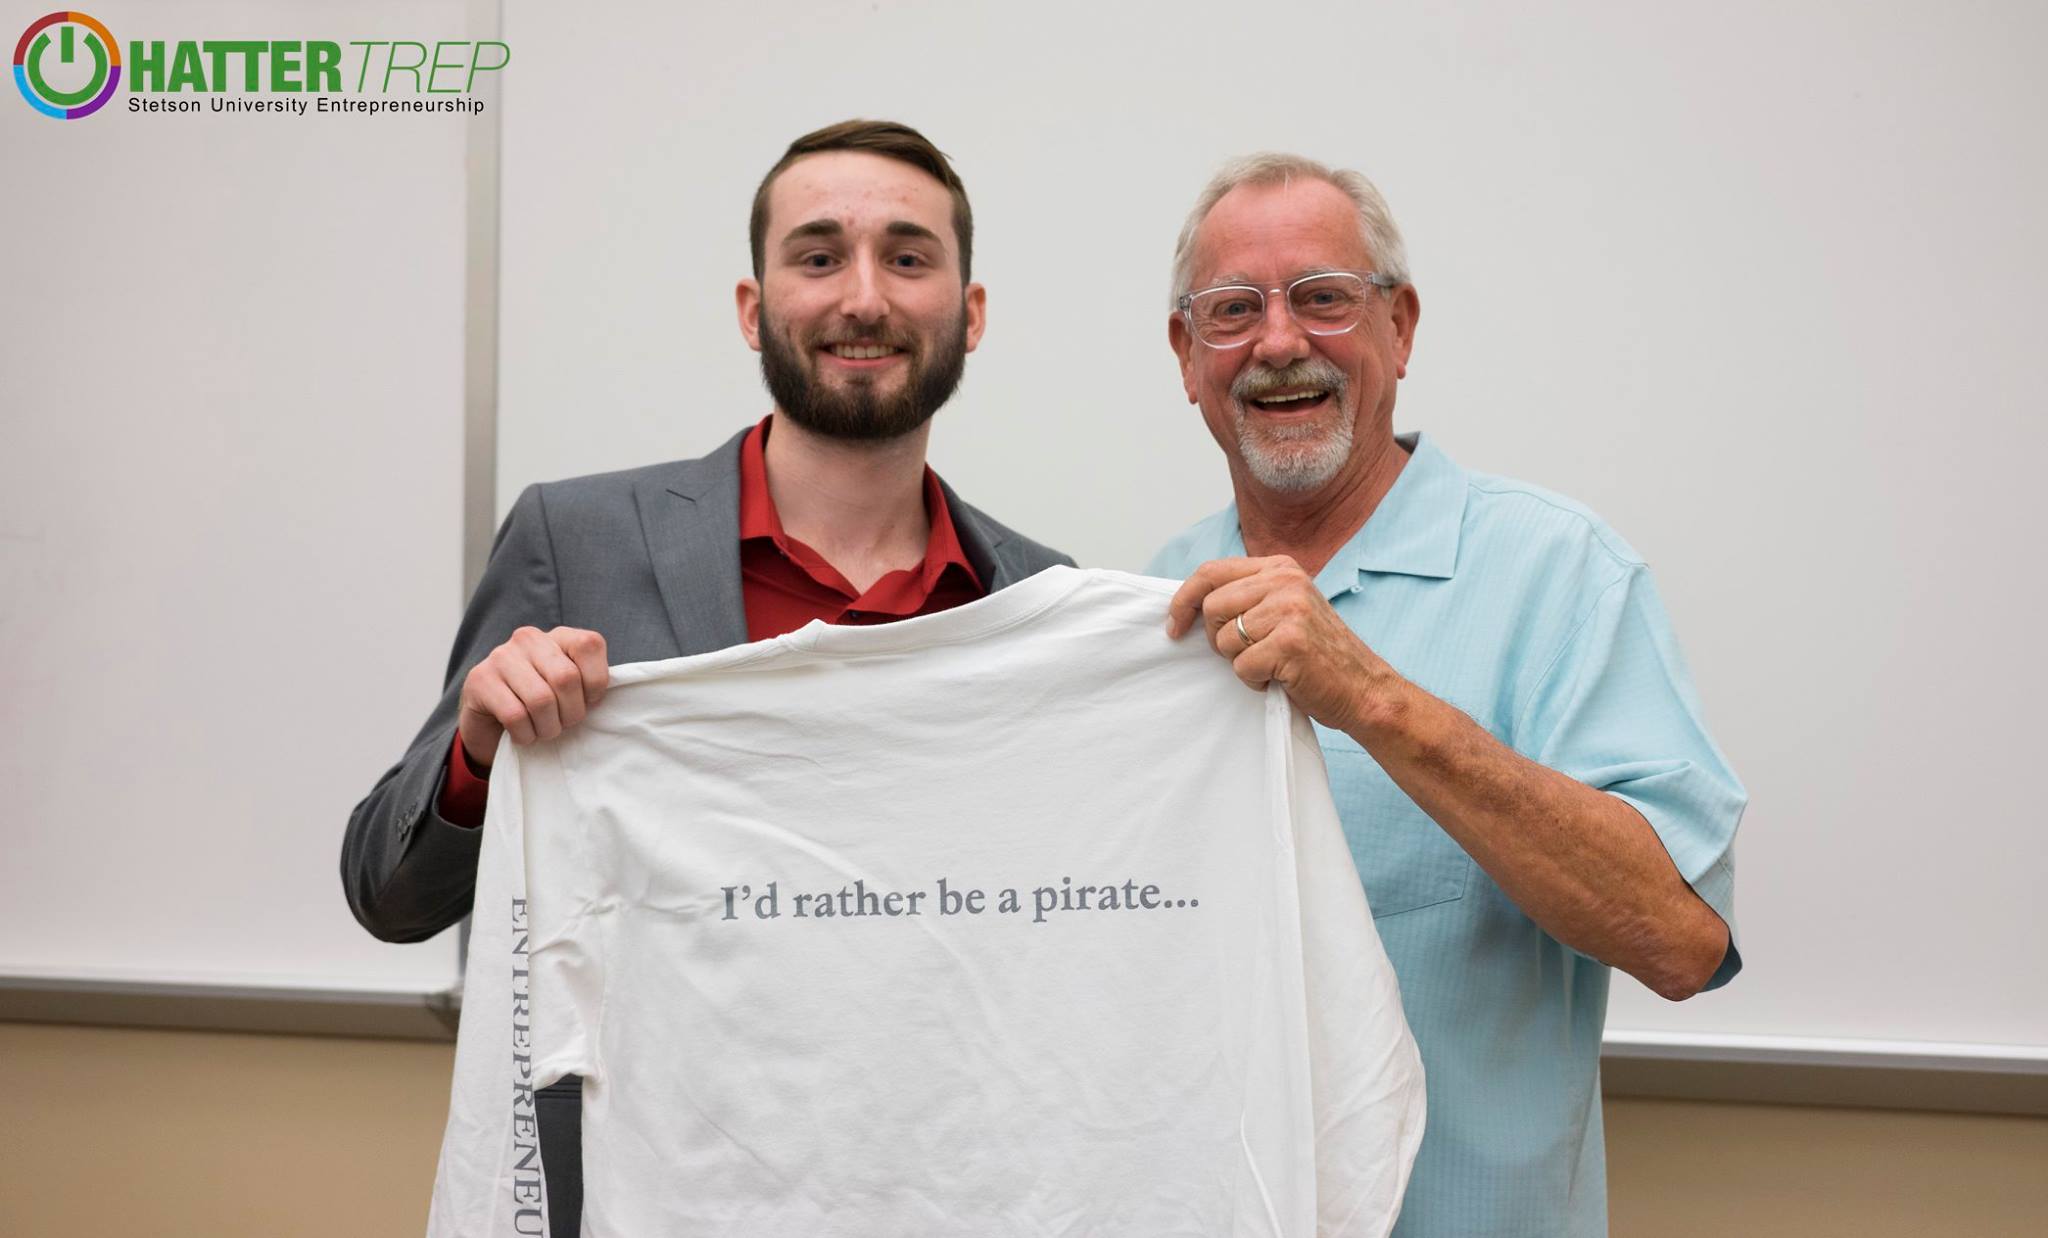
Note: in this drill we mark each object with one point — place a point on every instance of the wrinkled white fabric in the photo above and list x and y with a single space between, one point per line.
1017 919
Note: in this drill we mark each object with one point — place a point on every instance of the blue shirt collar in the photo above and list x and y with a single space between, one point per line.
1413 531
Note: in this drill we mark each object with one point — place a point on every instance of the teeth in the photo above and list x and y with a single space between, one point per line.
861 352
1288 399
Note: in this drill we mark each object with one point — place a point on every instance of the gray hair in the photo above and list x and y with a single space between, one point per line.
1375 220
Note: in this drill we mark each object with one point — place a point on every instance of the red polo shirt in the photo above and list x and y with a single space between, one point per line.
785 584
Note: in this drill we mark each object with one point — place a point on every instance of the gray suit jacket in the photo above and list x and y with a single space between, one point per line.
649 558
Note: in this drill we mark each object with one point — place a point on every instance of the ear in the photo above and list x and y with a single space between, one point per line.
976 304
1183 348
1407 311
748 298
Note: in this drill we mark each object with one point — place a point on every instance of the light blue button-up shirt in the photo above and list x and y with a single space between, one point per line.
1527 612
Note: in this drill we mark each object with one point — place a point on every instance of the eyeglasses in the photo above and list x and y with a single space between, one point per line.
1327 303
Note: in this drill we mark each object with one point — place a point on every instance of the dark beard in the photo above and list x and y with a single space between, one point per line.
858 414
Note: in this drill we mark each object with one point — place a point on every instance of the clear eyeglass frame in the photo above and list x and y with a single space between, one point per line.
1187 301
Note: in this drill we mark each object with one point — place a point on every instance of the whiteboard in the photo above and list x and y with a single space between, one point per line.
1759 285
230 518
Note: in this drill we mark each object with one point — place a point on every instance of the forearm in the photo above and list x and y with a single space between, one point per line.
1583 864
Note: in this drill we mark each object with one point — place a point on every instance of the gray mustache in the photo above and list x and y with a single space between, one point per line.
1308 372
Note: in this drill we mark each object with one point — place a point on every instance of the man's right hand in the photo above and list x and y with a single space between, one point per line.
536 685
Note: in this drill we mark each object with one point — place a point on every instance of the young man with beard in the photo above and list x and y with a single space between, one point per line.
862 308
1512 740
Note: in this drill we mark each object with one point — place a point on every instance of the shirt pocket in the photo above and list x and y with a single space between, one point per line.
1404 859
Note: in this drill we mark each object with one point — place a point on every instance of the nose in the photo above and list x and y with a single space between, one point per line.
1280 340
861 298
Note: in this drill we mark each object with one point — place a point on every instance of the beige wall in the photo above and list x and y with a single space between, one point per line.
107 1131
1694 1169
112 1131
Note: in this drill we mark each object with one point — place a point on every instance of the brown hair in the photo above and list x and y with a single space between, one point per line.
877 137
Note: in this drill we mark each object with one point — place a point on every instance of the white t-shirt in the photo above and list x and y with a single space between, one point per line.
1017 919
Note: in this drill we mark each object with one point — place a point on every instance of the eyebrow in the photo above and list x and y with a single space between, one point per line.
833 228
1232 279
903 227
815 228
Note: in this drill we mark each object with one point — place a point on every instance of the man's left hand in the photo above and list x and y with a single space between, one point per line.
1296 638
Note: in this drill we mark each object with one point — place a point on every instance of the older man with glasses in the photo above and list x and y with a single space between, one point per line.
1529 790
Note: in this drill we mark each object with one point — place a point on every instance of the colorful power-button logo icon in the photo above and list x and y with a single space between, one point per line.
62 53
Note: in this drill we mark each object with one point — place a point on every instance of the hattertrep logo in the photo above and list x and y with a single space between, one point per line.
30 52
50 65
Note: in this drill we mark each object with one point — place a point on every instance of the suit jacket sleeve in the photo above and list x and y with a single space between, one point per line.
407 872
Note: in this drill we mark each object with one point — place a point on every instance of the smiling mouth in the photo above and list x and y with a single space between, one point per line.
862 352
1298 401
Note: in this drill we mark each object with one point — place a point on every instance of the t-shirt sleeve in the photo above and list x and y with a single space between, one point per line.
1366 1073
1616 709
565 915
489 1179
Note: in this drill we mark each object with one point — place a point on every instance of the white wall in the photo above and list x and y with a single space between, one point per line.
1758 282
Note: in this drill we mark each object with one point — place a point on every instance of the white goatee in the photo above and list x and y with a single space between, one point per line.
1297 458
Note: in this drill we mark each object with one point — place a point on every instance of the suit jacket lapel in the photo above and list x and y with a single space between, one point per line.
982 539
690 515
